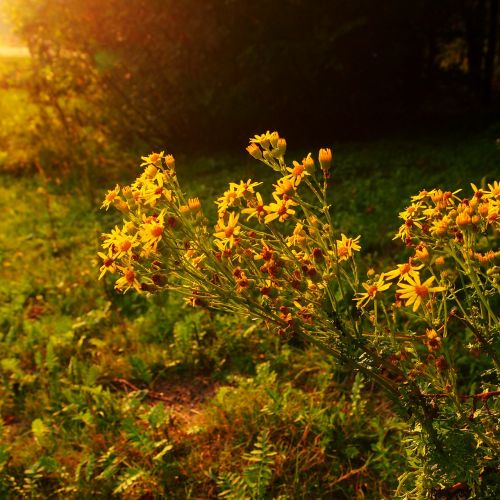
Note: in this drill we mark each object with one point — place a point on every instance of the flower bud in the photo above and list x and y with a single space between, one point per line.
170 161
309 164
281 147
254 151
150 171
463 219
325 158
274 138
121 205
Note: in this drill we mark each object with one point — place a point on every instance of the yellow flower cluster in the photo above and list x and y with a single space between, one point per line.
282 259
279 255
443 215
154 210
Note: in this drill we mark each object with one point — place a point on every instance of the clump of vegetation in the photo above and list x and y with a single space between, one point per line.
284 262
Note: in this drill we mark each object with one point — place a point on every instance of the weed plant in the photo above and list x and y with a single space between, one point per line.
282 261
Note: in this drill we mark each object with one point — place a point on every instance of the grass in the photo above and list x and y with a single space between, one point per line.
107 395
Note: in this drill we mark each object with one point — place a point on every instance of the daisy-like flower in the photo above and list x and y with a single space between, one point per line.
404 270
433 341
280 210
493 214
110 197
151 192
420 196
371 291
297 173
283 186
229 198
256 208
128 280
415 292
494 190
405 230
226 231
243 187
422 253
264 140
440 227
151 232
411 212
108 263
152 158
346 246
120 242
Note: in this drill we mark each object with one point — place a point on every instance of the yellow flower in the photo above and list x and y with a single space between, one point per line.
433 341
255 208
298 172
151 232
128 280
108 263
170 163
264 140
244 188
403 270
440 227
254 151
226 232
411 212
415 292
371 291
151 192
229 198
120 242
283 186
280 210
194 259
280 148
422 253
494 190
152 158
194 204
325 158
298 236
110 197
346 246
420 196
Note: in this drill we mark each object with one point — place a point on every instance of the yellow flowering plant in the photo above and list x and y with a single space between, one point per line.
282 260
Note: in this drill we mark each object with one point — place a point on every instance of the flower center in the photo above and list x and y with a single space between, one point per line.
282 209
405 268
342 251
125 245
157 231
421 291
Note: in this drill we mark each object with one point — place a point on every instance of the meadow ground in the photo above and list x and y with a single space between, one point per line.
118 394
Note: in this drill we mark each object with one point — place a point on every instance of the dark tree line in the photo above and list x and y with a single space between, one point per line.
211 72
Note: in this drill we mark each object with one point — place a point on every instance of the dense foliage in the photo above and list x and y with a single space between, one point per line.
168 71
